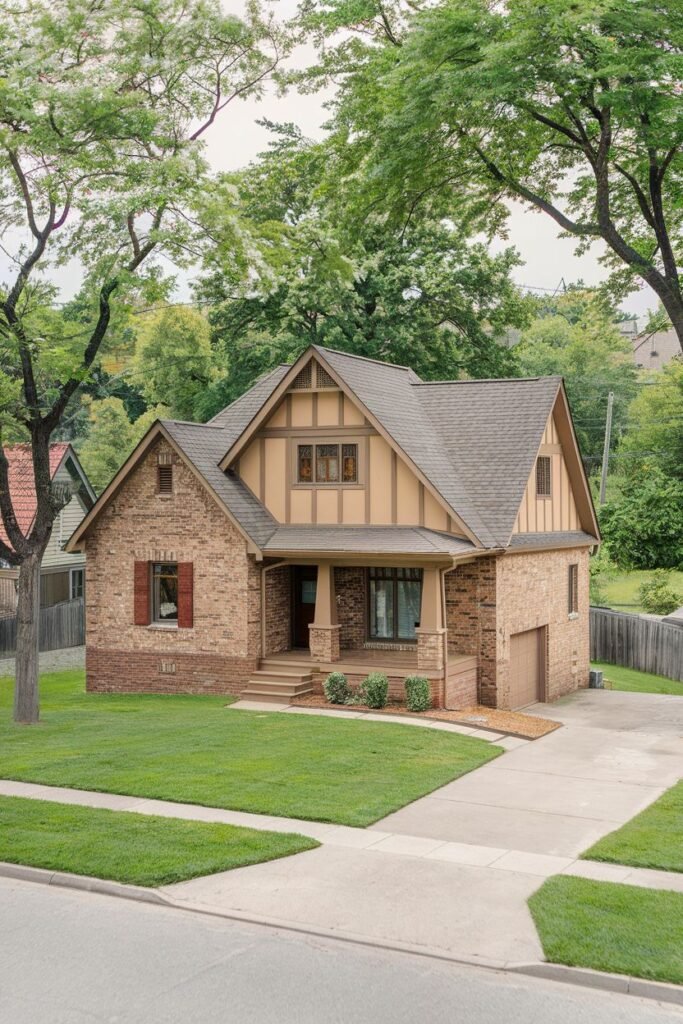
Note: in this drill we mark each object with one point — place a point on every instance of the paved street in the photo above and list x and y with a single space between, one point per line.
77 958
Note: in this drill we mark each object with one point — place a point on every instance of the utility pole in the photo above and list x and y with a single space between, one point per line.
605 450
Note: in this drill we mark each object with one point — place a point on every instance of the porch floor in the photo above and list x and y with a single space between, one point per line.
353 660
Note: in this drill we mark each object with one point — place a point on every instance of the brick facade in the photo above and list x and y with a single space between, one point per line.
278 611
222 648
350 584
532 591
490 599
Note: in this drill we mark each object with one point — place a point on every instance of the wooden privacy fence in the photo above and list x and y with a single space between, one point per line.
636 642
61 625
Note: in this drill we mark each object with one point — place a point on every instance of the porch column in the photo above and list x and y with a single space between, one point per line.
431 635
324 630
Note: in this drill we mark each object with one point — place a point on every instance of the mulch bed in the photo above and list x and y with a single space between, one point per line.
512 723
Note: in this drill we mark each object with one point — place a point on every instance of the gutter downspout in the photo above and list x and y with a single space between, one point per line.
444 620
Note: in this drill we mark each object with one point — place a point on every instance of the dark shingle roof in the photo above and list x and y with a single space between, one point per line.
205 446
491 430
390 394
474 441
369 539
235 418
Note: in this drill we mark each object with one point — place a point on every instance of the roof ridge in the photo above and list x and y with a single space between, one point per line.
490 380
363 359
194 423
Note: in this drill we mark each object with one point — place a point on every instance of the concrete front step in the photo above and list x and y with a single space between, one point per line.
281 677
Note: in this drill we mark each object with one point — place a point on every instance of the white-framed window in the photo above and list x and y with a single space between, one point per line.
76 583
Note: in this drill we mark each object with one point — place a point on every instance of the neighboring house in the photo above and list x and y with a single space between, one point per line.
653 350
343 514
62 575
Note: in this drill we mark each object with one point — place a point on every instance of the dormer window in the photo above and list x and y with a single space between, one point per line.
327 463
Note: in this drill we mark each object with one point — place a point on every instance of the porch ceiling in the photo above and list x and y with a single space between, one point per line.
350 541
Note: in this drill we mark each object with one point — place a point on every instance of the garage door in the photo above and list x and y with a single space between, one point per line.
526 667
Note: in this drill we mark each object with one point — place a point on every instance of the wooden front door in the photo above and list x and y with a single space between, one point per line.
304 581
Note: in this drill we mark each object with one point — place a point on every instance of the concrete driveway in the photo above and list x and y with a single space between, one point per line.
616 754
555 796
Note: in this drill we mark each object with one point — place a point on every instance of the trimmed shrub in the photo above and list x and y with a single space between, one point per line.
657 595
336 688
374 690
418 696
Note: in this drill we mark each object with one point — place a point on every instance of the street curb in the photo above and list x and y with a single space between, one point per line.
83 882
624 984
619 983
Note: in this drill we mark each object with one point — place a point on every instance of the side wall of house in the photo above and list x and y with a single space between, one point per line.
219 652
491 599
532 591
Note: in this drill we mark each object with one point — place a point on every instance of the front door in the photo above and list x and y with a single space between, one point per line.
304 579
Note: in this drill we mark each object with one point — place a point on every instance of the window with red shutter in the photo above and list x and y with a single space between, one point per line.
141 594
185 595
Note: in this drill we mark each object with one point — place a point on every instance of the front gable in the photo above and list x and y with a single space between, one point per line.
315 410
557 496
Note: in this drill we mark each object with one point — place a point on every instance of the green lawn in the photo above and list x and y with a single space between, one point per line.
653 839
621 591
638 682
608 927
193 749
139 849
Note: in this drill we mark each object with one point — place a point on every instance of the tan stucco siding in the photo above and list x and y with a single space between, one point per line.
388 491
558 512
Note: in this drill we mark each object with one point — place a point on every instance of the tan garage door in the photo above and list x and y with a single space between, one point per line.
526 667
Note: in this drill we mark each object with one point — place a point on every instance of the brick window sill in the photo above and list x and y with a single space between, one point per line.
164 627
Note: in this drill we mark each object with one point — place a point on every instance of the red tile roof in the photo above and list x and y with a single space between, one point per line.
21 484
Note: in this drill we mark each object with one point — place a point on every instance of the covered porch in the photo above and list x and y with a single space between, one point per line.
387 616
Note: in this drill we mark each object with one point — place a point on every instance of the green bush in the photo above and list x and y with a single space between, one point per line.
374 690
656 594
418 696
336 688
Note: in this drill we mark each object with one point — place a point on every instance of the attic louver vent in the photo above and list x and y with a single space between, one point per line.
323 379
304 380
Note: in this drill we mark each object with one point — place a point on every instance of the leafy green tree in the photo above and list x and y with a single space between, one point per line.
655 424
643 529
572 109
103 108
422 295
577 338
174 361
111 438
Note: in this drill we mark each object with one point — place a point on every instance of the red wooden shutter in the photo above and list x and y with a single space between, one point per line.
185 595
141 594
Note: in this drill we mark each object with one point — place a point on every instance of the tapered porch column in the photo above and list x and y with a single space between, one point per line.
431 635
324 630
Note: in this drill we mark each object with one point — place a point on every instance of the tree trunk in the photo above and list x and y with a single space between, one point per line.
26 706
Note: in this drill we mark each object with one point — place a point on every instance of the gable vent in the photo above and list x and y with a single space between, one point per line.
323 379
165 479
304 380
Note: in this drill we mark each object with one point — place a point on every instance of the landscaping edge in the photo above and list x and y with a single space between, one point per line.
619 983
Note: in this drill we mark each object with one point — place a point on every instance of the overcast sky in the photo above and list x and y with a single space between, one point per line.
236 138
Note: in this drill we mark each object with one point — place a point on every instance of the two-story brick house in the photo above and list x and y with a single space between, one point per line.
345 514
